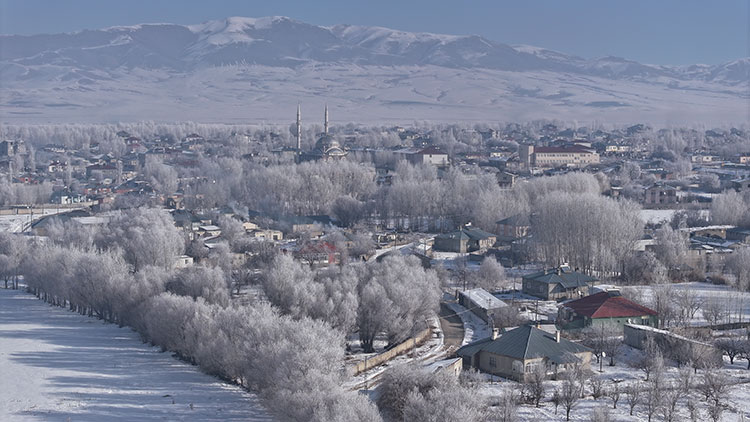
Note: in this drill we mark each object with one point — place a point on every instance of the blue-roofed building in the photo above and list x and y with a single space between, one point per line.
557 283
519 352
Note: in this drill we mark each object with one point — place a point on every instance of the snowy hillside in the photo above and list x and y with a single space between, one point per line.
60 366
257 69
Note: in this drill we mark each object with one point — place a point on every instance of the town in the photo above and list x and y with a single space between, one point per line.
535 271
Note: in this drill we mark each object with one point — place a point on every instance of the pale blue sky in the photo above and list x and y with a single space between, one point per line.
651 31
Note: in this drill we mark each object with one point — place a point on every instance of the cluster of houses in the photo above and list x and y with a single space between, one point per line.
518 352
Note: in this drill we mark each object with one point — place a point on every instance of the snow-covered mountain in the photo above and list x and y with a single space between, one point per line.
206 72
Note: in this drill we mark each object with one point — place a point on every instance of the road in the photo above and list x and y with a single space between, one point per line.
453 328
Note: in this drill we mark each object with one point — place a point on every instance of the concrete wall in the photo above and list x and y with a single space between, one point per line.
635 336
400 349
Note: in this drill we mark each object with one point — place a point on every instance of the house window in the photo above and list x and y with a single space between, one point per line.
493 362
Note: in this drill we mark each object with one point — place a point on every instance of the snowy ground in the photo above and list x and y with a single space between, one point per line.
474 327
59 366
737 400
656 216
737 303
429 352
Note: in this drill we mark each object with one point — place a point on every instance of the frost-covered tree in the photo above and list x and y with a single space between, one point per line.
396 297
197 281
731 207
146 236
491 275
589 232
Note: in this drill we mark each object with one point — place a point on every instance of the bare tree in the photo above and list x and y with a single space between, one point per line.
739 264
614 392
601 414
633 395
671 394
651 360
597 387
652 398
535 384
730 346
688 304
662 301
693 410
569 396
508 407
715 411
556 399
714 386
715 311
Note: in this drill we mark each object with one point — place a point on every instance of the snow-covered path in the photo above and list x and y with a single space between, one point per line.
56 365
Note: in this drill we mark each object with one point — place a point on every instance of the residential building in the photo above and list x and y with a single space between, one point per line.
183 261
604 308
741 234
468 239
267 234
514 227
660 194
481 302
429 155
557 283
557 156
506 179
318 254
519 352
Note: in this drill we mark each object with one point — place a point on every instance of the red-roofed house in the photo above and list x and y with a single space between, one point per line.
606 307
318 254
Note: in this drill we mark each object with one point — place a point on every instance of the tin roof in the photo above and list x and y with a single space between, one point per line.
525 342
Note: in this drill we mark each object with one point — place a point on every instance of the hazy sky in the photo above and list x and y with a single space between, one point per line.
651 31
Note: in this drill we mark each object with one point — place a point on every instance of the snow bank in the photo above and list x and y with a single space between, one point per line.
56 365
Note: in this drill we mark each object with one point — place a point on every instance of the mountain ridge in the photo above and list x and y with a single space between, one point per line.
261 40
375 70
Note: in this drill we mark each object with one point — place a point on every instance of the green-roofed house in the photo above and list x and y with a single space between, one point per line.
517 353
468 239
557 283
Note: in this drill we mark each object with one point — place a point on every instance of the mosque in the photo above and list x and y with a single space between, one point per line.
326 148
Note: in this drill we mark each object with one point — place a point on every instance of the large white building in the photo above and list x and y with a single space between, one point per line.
563 156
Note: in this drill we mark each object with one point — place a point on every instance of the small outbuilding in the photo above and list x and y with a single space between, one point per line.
481 302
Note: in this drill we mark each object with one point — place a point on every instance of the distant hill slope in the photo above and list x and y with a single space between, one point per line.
257 69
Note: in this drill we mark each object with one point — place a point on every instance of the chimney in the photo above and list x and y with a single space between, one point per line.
557 336
495 333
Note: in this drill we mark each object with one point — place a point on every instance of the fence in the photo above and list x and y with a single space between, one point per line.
400 349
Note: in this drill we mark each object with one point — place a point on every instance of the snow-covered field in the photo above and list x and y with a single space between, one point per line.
365 94
59 366
736 303
656 216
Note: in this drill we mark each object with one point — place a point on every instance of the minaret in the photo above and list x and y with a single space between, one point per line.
299 130
325 122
